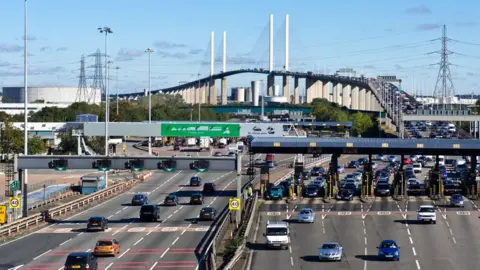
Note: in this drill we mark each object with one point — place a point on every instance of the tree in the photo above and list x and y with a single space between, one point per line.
361 123
36 146
68 143
12 141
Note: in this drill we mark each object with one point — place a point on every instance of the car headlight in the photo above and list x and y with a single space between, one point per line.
396 253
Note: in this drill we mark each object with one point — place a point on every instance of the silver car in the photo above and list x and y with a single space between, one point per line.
306 215
330 251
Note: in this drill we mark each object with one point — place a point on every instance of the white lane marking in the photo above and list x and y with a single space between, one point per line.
411 240
80 234
414 253
149 232
291 260
365 241
448 224
364 231
139 240
450 230
408 231
125 207
88 250
418 265
153 266
165 252
108 266
365 265
454 241
16 267
42 254
290 249
61 268
118 212
110 216
175 241
125 252
65 242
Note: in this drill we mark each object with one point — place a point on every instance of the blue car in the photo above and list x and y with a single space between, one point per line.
456 200
195 181
139 199
389 250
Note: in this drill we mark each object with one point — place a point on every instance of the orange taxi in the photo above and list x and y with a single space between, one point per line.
106 247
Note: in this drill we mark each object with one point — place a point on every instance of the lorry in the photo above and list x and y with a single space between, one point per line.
277 234
191 142
205 143
222 143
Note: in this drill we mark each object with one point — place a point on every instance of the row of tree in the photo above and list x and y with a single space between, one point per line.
365 125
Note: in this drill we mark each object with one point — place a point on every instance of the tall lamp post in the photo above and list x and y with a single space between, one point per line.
25 112
149 51
106 30
116 86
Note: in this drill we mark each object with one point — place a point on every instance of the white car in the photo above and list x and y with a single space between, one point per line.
427 213
331 251
417 167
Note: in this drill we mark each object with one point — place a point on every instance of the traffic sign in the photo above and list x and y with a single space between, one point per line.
14 185
3 214
234 204
14 202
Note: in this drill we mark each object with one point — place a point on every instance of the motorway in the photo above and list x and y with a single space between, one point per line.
452 243
170 243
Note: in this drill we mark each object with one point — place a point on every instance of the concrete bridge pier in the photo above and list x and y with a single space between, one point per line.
309 89
286 87
270 84
296 91
337 93
368 101
355 98
346 100
326 91
317 93
203 94
361 100
213 93
224 91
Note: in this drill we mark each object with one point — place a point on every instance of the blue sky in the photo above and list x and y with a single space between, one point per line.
374 37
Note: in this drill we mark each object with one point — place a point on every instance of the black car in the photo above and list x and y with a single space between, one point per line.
208 213
150 212
353 164
317 171
209 187
139 199
196 198
382 190
171 200
81 261
195 181
176 147
97 224
346 194
312 191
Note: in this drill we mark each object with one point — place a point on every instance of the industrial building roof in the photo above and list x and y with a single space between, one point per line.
365 146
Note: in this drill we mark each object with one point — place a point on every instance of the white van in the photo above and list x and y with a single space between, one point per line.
441 160
277 234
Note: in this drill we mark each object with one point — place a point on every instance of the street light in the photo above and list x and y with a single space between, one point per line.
149 51
106 30
25 112
116 77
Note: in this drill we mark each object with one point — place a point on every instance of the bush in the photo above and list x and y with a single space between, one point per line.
231 247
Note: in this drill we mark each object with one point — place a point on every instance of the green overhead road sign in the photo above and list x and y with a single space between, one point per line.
14 185
200 130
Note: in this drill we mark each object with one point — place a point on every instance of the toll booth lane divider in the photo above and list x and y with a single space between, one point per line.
36 219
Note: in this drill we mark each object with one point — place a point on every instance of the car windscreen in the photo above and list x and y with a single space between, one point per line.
95 219
350 186
427 209
147 208
196 196
208 210
305 212
170 198
138 196
329 246
388 245
346 192
383 186
457 197
276 231
76 260
103 243
450 161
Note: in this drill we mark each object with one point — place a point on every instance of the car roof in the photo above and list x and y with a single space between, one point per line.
149 205
106 239
171 195
207 183
307 209
388 241
79 254
96 217
330 243
197 194
208 207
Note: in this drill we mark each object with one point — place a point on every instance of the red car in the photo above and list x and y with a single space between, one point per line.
407 161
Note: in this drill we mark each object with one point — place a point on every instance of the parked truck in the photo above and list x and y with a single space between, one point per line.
191 142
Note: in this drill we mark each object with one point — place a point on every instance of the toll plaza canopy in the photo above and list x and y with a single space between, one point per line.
364 146
323 124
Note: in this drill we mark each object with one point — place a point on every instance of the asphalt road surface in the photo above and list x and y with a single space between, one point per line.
143 245
452 243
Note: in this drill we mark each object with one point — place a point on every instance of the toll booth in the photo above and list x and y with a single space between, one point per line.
435 183
92 183
367 179
399 182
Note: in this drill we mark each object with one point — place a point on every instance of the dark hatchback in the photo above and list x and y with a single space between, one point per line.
209 188
150 212
81 261
196 198
97 224
208 213
195 181
346 194
139 199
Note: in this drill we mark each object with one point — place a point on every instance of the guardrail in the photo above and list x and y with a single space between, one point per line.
53 197
25 223
208 257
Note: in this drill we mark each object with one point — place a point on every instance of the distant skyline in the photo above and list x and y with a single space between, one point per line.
374 38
